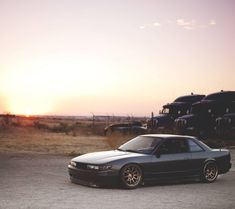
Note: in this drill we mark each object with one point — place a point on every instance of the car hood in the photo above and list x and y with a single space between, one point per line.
104 157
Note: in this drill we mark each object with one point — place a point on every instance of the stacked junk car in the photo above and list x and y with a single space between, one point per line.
198 115
171 111
195 114
212 116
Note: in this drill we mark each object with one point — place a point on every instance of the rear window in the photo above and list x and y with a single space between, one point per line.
193 146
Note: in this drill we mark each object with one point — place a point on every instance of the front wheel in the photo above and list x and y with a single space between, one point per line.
131 176
210 172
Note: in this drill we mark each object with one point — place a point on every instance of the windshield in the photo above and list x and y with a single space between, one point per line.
165 111
141 144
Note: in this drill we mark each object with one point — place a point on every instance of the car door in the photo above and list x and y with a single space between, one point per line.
198 156
171 159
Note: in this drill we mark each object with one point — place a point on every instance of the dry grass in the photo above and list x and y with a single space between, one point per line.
30 139
66 137
116 140
55 136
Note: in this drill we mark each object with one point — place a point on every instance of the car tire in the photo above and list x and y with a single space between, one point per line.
209 172
131 176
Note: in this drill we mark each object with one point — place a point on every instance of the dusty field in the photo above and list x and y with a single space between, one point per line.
59 136
63 136
32 140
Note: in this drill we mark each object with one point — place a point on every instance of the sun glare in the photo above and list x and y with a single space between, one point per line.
28 93
37 88
16 106
28 113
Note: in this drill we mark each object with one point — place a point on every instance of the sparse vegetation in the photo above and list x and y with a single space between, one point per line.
54 136
116 140
65 136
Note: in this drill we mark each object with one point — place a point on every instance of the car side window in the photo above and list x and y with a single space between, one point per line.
194 147
173 146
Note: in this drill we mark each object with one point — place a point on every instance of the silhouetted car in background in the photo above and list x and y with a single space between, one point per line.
171 111
202 119
149 158
134 127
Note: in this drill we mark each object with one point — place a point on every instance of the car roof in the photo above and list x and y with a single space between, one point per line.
168 136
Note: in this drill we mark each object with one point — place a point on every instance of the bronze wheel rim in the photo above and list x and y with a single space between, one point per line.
210 172
131 175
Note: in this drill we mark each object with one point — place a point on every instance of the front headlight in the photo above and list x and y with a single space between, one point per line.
99 167
93 167
72 163
105 167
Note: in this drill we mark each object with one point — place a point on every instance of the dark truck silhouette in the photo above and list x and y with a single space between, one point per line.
202 119
225 125
171 111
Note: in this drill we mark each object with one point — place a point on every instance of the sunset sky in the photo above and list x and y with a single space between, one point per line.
121 57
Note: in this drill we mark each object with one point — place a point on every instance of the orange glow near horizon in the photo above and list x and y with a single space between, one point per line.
72 88
28 113
75 58
40 88
28 108
29 92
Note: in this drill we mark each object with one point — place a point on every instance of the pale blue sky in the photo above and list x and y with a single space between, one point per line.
112 57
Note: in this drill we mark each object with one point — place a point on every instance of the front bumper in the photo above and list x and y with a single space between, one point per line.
225 168
93 178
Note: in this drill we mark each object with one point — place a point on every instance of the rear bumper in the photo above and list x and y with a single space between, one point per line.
93 178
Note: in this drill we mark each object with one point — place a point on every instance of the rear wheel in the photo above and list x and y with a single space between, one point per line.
210 172
131 176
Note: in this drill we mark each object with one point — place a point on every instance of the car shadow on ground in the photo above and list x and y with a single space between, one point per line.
149 184
173 182
156 183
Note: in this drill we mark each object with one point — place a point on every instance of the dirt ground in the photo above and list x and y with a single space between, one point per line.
41 181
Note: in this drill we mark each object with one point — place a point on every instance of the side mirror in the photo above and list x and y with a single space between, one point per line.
158 155
161 151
